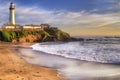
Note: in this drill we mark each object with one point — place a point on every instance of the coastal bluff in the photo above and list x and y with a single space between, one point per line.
21 36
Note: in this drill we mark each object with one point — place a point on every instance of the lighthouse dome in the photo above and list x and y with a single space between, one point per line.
12 6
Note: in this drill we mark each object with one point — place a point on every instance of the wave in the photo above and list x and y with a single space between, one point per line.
104 53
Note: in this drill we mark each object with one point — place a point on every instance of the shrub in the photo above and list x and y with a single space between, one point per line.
49 34
13 35
57 33
5 36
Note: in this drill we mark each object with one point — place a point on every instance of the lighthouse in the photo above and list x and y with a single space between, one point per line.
12 14
11 24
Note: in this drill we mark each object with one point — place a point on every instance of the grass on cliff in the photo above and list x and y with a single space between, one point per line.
57 33
47 34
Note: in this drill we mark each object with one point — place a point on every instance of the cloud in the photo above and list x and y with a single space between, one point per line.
60 18
115 5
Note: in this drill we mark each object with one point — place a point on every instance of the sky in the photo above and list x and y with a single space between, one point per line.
76 17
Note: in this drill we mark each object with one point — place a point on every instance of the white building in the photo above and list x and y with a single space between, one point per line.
11 26
31 26
12 14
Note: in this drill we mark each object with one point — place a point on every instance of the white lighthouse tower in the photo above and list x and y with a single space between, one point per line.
12 14
11 24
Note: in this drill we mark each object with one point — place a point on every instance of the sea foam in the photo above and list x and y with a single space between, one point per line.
104 53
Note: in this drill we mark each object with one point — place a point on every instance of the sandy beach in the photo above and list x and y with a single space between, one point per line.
13 67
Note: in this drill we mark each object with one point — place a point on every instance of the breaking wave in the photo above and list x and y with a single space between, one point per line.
104 53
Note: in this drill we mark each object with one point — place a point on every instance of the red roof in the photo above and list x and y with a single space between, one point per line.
11 25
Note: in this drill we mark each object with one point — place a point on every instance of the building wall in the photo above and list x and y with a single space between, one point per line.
26 27
31 27
12 16
9 27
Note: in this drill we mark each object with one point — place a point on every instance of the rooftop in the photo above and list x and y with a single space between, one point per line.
11 24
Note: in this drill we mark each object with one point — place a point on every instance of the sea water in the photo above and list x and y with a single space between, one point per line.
77 60
104 53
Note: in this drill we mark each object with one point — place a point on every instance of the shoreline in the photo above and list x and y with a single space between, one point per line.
13 67
71 68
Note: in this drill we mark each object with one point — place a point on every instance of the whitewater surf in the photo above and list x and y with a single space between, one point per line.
68 58
104 53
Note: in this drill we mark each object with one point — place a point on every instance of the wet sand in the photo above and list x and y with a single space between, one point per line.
13 67
72 69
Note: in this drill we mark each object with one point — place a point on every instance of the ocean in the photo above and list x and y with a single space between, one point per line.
76 60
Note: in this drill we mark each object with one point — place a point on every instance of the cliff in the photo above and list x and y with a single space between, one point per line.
48 34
